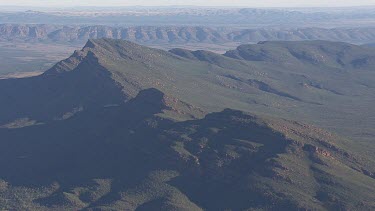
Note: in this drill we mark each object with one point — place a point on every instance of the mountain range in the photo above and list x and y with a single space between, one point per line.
181 34
120 126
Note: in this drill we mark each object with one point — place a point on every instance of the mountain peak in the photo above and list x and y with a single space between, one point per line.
93 50
113 49
90 44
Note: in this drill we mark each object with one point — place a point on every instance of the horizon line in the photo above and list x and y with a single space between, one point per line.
186 6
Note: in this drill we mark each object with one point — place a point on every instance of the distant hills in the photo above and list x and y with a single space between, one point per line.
121 126
180 34
171 16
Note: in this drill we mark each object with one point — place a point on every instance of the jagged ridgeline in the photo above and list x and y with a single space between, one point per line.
179 34
119 126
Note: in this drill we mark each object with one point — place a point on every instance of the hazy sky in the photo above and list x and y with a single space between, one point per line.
248 3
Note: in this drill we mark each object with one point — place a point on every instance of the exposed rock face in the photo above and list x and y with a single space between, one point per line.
25 31
315 149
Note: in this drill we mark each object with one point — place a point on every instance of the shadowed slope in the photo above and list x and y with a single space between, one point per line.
47 97
124 157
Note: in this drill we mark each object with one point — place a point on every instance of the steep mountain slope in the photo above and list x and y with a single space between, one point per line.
42 99
122 126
